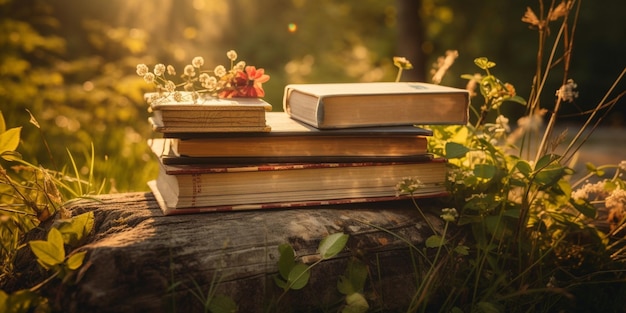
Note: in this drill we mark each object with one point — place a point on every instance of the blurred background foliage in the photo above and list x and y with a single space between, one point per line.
72 63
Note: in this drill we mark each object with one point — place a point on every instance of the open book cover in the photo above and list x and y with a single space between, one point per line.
343 105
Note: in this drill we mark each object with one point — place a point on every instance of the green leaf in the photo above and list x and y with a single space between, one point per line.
524 168
298 276
76 228
435 241
545 161
51 252
222 304
286 261
488 307
9 140
354 278
281 283
11 155
332 244
24 301
455 150
517 99
584 207
76 260
485 171
549 175
355 303
462 250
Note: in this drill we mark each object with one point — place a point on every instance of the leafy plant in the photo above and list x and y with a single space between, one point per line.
31 197
294 275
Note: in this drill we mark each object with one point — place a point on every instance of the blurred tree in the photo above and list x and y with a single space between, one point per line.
410 40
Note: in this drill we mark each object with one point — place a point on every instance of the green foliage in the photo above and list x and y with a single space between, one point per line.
294 275
29 197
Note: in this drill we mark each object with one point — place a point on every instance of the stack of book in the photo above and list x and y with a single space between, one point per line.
333 144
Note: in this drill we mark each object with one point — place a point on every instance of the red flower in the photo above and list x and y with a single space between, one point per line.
248 83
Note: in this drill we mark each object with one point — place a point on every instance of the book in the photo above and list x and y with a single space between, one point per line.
343 105
182 189
208 115
292 141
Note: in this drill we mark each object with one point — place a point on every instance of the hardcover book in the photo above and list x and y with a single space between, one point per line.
292 141
344 105
209 115
204 188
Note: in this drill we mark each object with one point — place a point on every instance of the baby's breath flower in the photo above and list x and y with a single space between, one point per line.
622 165
197 62
232 55
240 66
210 83
568 91
188 87
408 185
589 189
170 86
189 71
142 70
503 122
203 77
178 96
616 200
149 78
171 70
449 214
220 71
159 69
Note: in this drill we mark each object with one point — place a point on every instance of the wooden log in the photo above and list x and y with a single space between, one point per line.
136 254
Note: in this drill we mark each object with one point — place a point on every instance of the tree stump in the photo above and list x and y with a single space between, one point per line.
141 261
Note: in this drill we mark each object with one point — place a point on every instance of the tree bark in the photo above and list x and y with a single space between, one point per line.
411 38
141 261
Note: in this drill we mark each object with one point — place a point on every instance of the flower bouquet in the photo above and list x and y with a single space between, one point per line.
218 100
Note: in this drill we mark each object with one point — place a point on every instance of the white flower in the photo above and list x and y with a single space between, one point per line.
142 69
503 123
203 77
149 78
197 62
178 96
232 55
449 214
616 200
220 71
189 71
170 86
159 69
171 70
210 83
568 91
240 66
587 190
408 185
